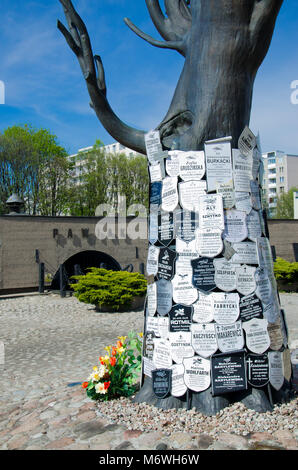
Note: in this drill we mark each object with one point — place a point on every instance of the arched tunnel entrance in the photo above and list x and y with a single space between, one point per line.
78 264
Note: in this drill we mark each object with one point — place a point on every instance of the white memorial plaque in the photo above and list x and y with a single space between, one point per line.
186 250
257 337
209 242
153 226
235 226
191 165
254 225
255 195
230 337
149 344
211 212
264 289
247 141
189 192
178 386
169 194
152 325
246 253
163 327
275 334
181 346
276 376
172 163
218 163
153 145
164 296
183 266
246 283
152 260
157 172
162 354
197 373
243 201
264 252
242 165
226 307
226 190
225 274
151 299
148 366
183 290
203 309
204 339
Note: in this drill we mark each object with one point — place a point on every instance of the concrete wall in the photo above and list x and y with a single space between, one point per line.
284 238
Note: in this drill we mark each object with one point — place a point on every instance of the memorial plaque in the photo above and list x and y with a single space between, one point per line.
186 223
153 226
164 296
162 353
257 369
204 339
242 165
211 212
257 337
264 252
166 264
246 283
275 335
230 337
152 260
264 289
225 274
163 327
235 226
180 318
172 163
254 225
276 376
152 299
178 386
246 253
149 344
148 367
186 250
228 373
247 141
218 163
228 250
165 227
203 274
157 172
189 193
169 194
181 347
255 195
152 325
197 373
209 242
226 307
286 364
183 266
256 158
183 290
243 201
226 190
203 309
155 193
250 307
191 165
153 145
161 382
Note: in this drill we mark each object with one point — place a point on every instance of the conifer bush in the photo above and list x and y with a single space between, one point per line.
285 271
113 289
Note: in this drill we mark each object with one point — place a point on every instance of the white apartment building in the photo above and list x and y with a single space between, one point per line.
280 175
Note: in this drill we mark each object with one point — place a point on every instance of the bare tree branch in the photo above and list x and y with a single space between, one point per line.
179 22
160 21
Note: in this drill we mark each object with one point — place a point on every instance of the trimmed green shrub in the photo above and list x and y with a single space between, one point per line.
285 271
114 289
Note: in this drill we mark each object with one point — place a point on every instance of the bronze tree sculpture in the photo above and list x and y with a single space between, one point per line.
224 42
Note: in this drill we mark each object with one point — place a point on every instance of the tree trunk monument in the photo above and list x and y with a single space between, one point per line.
214 329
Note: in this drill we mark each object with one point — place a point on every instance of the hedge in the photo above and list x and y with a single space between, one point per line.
286 271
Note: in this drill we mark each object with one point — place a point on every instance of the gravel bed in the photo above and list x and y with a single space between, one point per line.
235 418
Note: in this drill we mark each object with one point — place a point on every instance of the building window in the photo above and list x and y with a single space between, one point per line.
282 179
282 189
281 169
271 161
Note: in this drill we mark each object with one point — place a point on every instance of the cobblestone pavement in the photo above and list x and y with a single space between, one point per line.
50 344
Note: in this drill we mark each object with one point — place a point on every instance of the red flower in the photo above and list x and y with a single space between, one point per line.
85 384
119 344
101 360
106 385
114 351
112 361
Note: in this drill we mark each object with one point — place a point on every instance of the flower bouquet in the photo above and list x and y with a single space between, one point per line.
118 371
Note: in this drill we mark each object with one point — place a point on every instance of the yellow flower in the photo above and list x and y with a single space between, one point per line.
95 368
122 338
141 335
108 349
120 350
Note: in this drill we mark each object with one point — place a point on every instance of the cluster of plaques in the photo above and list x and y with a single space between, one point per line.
213 317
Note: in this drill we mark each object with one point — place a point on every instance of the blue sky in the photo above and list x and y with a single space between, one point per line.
44 85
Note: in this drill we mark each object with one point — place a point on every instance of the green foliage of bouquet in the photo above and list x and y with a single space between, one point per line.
118 371
115 289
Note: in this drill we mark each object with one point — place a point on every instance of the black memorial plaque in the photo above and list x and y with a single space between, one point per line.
166 264
186 223
257 369
203 274
161 382
228 373
165 227
155 193
180 318
250 307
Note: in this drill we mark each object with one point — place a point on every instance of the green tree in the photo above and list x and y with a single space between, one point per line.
285 205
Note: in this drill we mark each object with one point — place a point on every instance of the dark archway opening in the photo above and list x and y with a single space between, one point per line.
80 262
